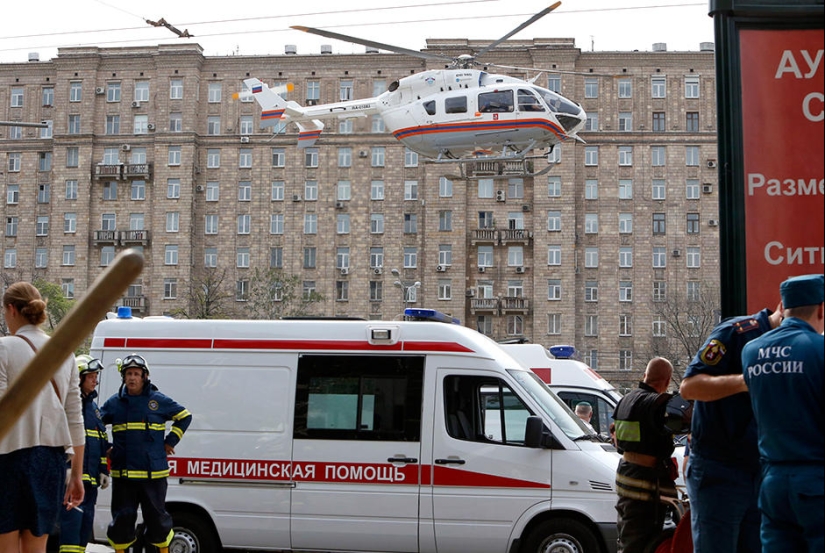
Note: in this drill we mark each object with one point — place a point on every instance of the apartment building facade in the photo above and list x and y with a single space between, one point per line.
146 148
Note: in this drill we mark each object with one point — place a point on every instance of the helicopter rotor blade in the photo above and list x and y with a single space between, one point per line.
372 43
527 23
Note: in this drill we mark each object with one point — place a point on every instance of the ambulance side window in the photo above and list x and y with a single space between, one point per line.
602 411
358 397
483 409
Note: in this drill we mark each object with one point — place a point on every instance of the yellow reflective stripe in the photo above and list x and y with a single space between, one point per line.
104 461
182 415
138 426
166 542
71 549
628 431
140 474
177 431
121 546
95 434
635 482
89 479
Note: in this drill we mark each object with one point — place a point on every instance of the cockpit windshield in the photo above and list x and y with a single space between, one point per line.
558 103
550 403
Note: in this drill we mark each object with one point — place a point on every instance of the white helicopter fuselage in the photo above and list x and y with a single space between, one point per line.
445 114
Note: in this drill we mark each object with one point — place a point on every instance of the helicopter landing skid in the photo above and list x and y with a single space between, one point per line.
491 167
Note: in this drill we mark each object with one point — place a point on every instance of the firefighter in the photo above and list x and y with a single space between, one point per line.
645 471
138 413
76 524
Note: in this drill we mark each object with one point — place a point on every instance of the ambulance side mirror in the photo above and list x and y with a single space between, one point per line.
535 436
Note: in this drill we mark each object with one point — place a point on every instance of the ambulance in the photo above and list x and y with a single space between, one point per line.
572 380
365 436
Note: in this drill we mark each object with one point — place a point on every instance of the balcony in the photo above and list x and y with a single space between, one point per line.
105 237
515 235
134 237
483 236
137 171
484 305
516 167
137 303
109 171
515 304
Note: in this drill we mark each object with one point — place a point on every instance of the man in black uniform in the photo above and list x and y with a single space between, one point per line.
645 470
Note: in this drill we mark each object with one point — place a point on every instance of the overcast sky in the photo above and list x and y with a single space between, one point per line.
252 27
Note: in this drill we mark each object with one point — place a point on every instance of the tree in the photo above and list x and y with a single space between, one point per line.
273 295
683 322
57 305
206 297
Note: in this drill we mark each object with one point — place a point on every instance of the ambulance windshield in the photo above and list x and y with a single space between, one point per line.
550 403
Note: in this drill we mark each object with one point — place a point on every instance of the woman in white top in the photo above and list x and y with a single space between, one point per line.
33 454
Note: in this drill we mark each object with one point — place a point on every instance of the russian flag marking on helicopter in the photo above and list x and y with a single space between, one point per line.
272 114
257 88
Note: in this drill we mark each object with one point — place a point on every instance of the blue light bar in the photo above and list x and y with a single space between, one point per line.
417 314
562 352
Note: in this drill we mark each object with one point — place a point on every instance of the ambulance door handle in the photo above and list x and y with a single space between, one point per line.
402 460
450 461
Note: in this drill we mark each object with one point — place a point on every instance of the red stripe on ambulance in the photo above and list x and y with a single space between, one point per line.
286 345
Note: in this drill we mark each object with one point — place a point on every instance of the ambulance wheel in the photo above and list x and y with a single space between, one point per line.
192 535
562 535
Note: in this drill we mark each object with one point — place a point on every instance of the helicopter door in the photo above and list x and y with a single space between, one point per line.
529 102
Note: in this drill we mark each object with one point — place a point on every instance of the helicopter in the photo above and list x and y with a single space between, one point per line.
453 115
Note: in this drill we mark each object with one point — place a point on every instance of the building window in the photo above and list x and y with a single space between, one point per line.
277 193
591 291
693 257
241 290
74 124
692 121
342 223
12 194
625 88
170 255
692 223
659 224
659 124
68 256
44 193
376 257
15 161
445 220
554 289
110 191
341 290
310 255
44 161
242 258
376 223
591 257
658 87
245 191
42 225
553 186
515 256
213 125
244 224
170 288
659 257
377 156
276 257
342 258
410 190
591 156
625 360
67 286
485 256
172 221
658 189
625 121
211 224
75 90
591 223
659 328
692 189
410 258
310 223
213 191
625 325
377 190
515 325
108 221
625 156
625 290
554 323
625 189
210 257
113 124
173 188
626 256
278 157
591 189
138 192
410 158
591 88
554 255
625 223
113 92
311 190
691 87
591 325
276 223
11 226
657 156
69 223
107 255
245 158
693 292
554 221
692 156
445 187
176 89
344 157
591 124
214 93
213 158
485 219
311 157
515 188
72 156
659 290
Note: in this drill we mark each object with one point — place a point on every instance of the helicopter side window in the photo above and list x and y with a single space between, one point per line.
456 104
500 101
528 102
429 107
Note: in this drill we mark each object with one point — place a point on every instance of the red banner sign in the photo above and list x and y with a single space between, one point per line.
782 129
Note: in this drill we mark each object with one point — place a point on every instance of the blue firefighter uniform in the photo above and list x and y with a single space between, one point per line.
76 526
784 373
139 462
723 475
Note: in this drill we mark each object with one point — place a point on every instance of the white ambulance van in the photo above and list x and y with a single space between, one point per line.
365 436
572 380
